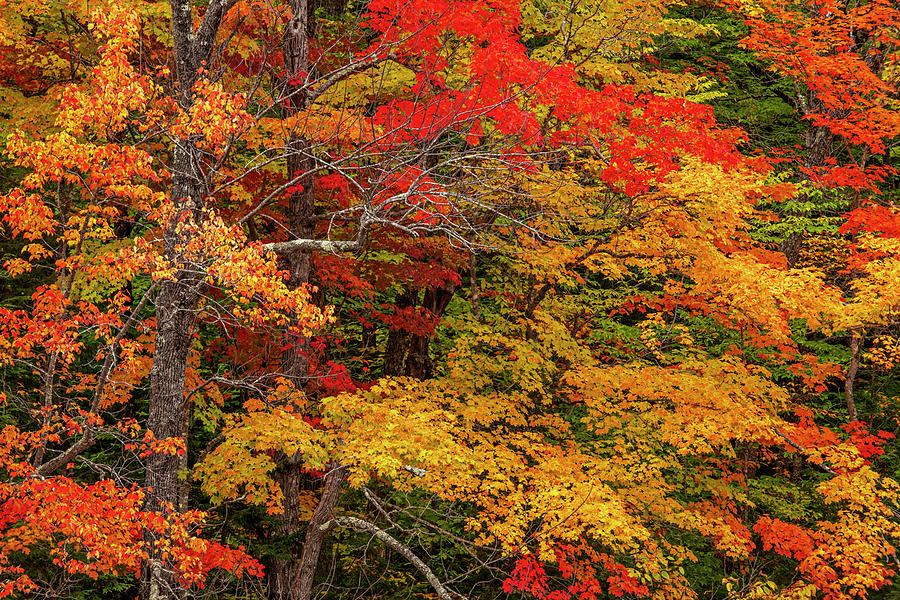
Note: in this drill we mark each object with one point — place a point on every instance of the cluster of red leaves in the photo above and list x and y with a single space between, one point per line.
577 564
784 538
867 443
98 528
873 218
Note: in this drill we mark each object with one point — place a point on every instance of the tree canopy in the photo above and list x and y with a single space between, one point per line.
562 300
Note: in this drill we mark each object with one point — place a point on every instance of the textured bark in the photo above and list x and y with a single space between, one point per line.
178 299
283 572
818 145
288 575
749 456
301 205
397 345
418 363
855 346
301 208
791 247
176 315
315 533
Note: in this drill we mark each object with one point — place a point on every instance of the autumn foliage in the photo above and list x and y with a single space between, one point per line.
470 298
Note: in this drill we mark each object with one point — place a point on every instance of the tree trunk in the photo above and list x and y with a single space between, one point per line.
418 359
301 205
407 354
291 577
855 347
176 315
397 345
283 572
315 534
178 300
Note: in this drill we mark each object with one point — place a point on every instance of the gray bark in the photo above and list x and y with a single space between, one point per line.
315 533
855 347
291 577
178 299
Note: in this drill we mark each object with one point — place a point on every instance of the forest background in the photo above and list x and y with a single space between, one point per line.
449 298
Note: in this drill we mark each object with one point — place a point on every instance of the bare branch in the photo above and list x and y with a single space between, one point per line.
365 526
335 247
800 448
90 434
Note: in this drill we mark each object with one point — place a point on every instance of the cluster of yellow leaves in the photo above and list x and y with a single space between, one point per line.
596 35
537 484
876 295
654 331
695 407
244 271
241 466
699 228
884 352
533 421
631 467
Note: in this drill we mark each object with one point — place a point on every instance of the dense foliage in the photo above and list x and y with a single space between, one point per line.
449 298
